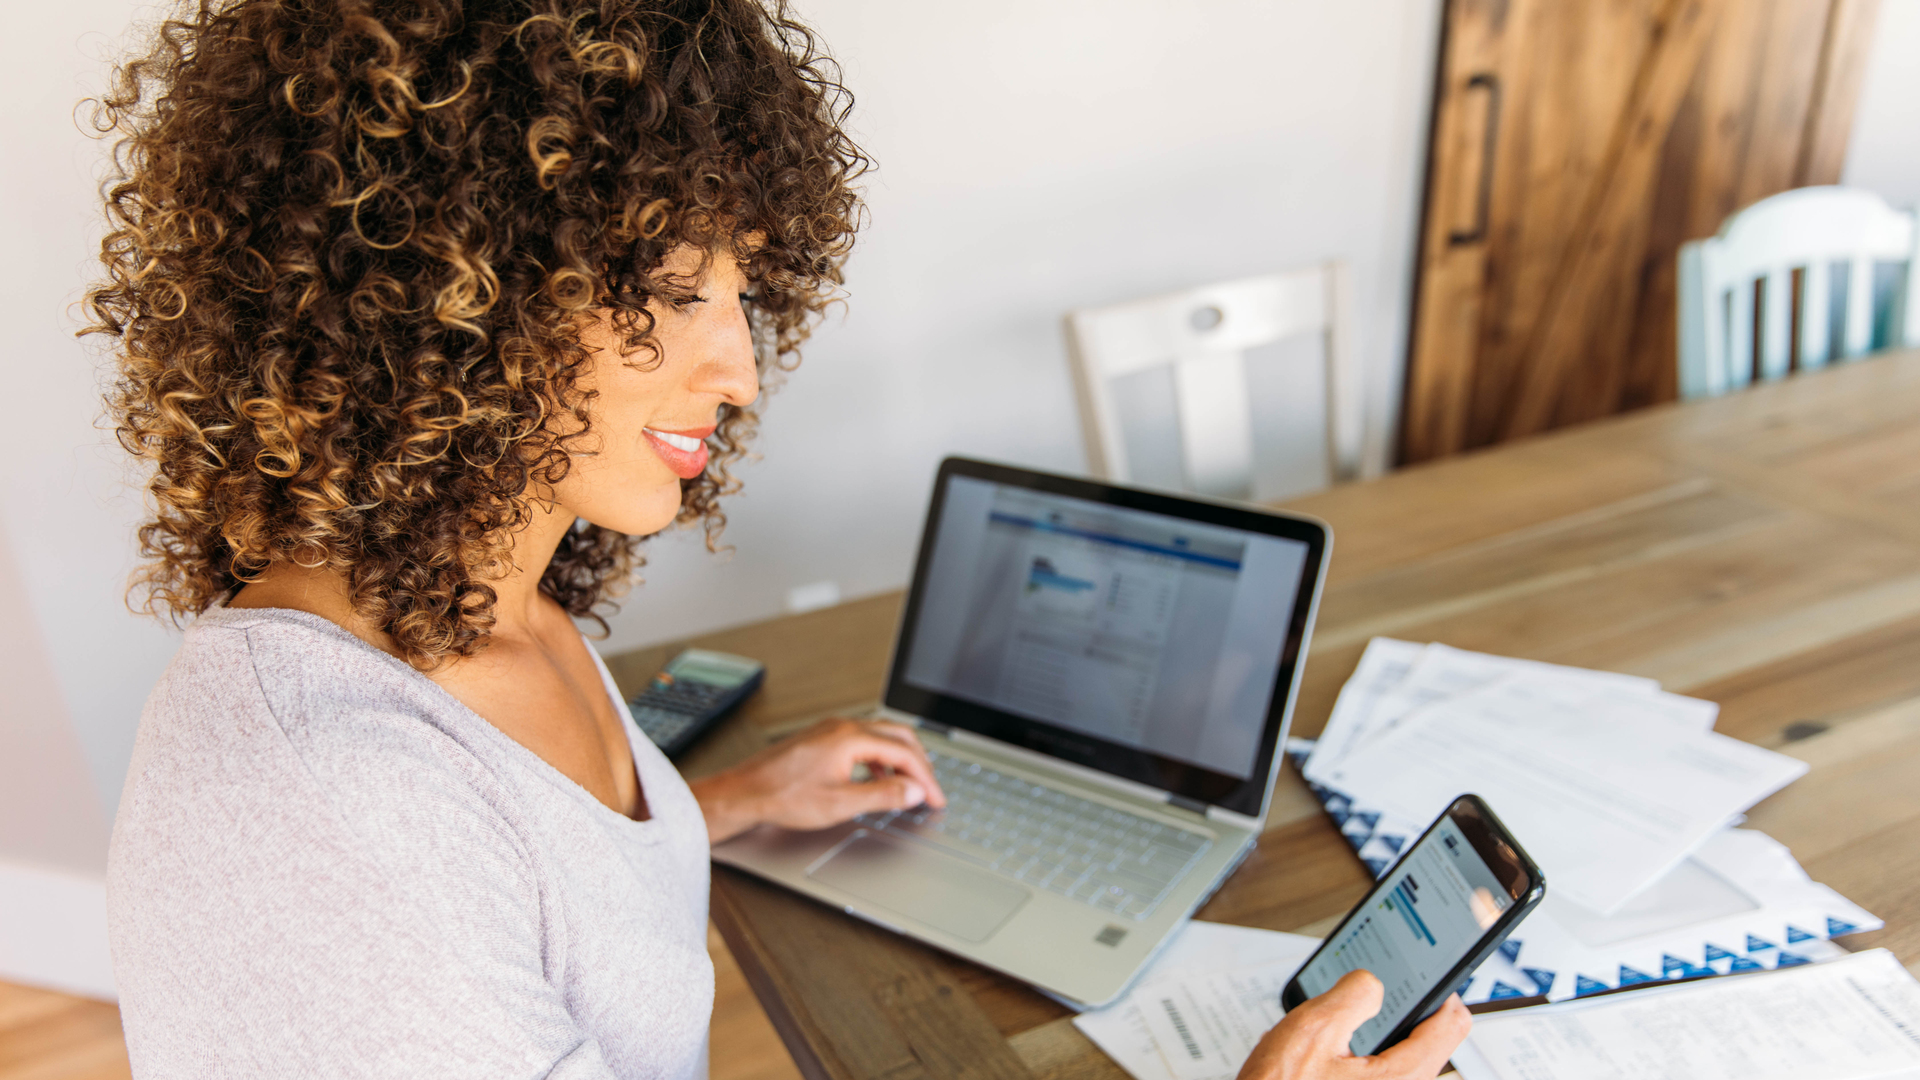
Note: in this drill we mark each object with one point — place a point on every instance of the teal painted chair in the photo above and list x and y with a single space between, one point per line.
1855 258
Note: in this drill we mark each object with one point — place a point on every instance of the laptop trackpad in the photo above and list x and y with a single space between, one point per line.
931 888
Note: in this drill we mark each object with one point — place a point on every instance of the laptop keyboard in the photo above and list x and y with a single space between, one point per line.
1083 850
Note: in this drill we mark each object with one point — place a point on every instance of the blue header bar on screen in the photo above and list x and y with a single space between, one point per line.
1002 518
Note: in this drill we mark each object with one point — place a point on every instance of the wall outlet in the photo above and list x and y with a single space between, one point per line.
812 596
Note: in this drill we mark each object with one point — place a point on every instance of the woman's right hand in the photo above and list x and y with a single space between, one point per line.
1310 1043
809 781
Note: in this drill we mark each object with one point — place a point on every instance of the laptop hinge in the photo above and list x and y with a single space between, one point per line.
935 727
1184 803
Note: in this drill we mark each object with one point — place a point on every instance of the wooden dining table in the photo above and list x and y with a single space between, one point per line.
1760 550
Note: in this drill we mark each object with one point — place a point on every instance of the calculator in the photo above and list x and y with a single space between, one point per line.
696 691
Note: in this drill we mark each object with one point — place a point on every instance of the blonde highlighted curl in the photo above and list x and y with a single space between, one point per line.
353 245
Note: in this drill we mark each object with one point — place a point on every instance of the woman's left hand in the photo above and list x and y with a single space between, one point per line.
809 781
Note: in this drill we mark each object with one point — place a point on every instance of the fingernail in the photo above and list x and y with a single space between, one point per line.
915 794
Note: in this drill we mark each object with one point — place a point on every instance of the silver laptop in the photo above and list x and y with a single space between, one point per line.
1103 678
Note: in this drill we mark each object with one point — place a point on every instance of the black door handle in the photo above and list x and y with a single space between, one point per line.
1491 84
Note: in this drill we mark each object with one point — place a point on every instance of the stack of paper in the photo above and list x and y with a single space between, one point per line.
1853 1019
1197 1013
1620 791
1211 996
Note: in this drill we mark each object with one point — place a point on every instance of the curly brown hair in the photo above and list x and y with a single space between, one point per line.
353 246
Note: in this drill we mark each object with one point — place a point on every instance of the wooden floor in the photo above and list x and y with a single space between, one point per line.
50 1036
744 1044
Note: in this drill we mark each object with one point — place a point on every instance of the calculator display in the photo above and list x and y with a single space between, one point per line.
700 669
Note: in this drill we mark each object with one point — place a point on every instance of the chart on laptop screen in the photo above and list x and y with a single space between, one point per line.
1143 629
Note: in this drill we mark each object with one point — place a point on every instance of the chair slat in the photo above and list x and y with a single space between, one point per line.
1816 314
1700 329
1216 427
1836 236
1776 343
1740 335
1909 323
1203 335
1859 332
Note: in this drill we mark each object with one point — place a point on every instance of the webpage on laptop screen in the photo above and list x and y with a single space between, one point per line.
1139 628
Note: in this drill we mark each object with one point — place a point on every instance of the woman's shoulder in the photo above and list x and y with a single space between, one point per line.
275 735
271 706
294 671
303 835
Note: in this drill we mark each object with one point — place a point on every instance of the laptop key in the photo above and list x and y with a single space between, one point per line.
1097 854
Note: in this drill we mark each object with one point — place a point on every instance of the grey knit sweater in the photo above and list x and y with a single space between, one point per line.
324 865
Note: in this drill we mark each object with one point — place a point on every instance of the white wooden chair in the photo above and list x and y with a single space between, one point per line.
1204 334
1828 234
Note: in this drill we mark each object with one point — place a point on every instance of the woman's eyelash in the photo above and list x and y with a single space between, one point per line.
746 298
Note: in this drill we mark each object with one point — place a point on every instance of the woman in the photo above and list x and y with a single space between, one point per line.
425 312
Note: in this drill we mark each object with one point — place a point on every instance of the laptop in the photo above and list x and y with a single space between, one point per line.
1103 677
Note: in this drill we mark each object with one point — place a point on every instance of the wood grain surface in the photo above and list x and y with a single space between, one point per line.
1760 550
50 1036
1623 128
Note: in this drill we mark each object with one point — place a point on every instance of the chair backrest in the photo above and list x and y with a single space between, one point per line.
1204 334
1834 237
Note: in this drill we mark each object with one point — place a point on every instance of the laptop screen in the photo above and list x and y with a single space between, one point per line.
1147 635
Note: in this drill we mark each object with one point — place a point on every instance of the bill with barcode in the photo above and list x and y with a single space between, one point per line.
1206 1025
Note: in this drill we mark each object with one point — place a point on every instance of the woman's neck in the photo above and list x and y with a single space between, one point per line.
325 592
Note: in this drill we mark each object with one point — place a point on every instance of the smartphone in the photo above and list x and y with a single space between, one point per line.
1437 915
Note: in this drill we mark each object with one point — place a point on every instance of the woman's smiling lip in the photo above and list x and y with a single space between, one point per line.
685 452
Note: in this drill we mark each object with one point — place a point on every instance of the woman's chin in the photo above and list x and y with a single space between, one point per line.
645 515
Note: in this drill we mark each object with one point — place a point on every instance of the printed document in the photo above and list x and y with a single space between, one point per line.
1852 1019
1206 1026
1397 678
1216 976
1383 666
1738 902
1606 790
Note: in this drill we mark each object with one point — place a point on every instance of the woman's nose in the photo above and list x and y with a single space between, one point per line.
729 368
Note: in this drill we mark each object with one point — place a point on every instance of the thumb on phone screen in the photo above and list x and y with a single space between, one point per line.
1311 1042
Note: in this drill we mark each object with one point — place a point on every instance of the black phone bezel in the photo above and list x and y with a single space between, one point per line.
1511 865
1194 782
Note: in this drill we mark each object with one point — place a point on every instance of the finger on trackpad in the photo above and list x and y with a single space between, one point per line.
931 888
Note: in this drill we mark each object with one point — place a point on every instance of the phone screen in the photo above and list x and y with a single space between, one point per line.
1422 919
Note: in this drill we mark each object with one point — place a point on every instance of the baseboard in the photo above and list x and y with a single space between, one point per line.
53 931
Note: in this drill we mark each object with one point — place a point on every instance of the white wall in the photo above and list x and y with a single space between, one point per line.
74 664
51 813
1884 154
66 508
53 825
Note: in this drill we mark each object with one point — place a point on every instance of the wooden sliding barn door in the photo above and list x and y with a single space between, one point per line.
1575 145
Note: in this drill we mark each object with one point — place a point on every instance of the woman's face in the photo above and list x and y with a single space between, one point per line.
651 416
